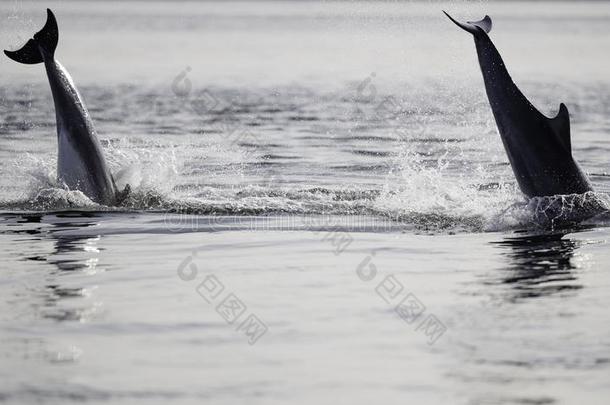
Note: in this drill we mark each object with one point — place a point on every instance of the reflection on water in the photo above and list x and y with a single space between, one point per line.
55 283
72 253
540 265
62 295
75 253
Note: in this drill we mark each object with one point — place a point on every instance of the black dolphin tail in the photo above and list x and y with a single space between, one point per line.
474 27
45 39
561 126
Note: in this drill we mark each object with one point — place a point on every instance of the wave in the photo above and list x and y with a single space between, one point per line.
418 194
485 214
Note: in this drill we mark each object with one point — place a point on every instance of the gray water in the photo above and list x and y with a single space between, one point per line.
322 209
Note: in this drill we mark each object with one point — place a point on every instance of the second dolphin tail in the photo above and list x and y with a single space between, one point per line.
44 40
474 27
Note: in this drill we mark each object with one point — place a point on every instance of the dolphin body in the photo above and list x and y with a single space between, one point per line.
80 162
539 148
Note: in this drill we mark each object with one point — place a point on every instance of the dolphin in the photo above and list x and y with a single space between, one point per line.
539 148
80 161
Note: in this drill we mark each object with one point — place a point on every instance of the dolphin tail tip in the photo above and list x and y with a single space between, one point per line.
46 38
474 27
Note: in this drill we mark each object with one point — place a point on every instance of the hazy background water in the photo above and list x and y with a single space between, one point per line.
285 148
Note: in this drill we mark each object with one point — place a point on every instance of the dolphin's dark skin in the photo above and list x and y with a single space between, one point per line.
80 161
539 148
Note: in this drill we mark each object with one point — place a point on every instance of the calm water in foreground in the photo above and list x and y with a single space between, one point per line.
322 210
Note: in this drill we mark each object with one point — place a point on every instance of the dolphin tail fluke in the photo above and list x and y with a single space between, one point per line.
474 27
45 39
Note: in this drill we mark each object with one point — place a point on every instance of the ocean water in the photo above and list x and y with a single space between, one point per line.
322 209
